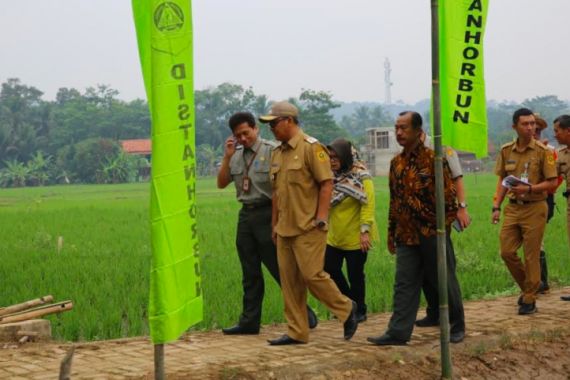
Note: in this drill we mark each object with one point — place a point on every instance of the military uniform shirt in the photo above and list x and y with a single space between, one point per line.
535 159
297 168
450 155
563 165
259 185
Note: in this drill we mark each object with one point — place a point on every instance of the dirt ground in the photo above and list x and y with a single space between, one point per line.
499 345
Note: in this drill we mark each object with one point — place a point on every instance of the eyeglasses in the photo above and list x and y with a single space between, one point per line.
273 123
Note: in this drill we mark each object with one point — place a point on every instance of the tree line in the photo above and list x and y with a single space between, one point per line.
76 137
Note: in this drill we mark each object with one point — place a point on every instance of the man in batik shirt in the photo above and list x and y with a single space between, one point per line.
412 233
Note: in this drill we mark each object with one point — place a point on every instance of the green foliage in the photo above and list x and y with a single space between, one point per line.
315 115
14 174
363 118
89 157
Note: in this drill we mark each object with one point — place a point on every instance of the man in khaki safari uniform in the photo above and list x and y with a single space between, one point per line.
562 134
301 177
533 164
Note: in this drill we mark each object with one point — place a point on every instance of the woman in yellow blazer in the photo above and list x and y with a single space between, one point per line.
352 227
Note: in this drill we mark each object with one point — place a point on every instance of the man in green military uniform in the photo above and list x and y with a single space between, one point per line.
526 171
562 134
301 177
246 162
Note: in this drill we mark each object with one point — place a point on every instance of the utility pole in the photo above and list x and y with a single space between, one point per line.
387 82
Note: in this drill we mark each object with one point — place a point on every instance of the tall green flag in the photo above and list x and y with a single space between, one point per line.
463 107
164 34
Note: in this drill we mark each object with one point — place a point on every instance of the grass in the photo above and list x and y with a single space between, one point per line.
104 264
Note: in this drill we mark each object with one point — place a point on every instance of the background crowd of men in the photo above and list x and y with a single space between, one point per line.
307 208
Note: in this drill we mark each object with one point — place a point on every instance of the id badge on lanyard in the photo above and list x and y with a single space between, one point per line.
246 184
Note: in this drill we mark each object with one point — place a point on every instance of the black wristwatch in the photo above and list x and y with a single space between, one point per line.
496 209
321 224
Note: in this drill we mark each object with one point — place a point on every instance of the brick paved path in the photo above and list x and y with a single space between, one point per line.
212 355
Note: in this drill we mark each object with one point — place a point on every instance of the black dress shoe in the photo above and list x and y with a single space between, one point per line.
456 337
351 324
313 320
427 322
283 341
565 298
386 340
240 330
527 308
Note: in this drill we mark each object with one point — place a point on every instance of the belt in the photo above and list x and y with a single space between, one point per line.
521 202
252 206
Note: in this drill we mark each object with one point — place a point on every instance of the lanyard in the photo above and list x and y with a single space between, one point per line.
246 182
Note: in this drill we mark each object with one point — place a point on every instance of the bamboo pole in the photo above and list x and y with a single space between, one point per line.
159 362
37 312
446 365
25 305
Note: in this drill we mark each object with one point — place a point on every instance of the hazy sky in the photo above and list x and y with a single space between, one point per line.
280 47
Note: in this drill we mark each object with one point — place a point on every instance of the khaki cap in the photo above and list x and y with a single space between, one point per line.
280 109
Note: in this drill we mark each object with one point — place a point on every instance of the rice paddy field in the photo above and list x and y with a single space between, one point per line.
103 264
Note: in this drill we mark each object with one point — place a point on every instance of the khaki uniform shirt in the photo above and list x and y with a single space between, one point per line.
297 168
450 155
563 165
258 173
536 160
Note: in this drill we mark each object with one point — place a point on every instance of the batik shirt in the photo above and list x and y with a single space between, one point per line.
412 197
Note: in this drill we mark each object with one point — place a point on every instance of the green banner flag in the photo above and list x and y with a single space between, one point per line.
164 34
462 83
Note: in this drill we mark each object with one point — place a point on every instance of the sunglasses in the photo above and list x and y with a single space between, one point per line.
273 123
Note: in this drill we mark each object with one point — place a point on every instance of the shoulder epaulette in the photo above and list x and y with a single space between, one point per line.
541 145
311 140
509 144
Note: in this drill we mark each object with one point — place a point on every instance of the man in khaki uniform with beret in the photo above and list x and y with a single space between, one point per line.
301 177
525 214
562 134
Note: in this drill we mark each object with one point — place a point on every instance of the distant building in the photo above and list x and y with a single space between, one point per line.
143 148
381 146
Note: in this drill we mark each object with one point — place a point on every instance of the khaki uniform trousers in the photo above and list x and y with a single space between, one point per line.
524 225
301 262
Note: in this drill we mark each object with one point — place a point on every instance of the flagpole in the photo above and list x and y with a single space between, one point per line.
159 362
446 366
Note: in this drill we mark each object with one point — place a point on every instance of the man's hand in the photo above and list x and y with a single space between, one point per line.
521 189
495 216
230 147
365 243
463 217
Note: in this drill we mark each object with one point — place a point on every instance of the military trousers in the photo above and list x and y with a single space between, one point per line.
301 263
414 265
523 225
255 246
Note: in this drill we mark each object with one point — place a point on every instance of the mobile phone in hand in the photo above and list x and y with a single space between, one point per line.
457 226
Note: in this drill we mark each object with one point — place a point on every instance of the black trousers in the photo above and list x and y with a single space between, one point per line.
355 260
413 265
255 246
431 292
